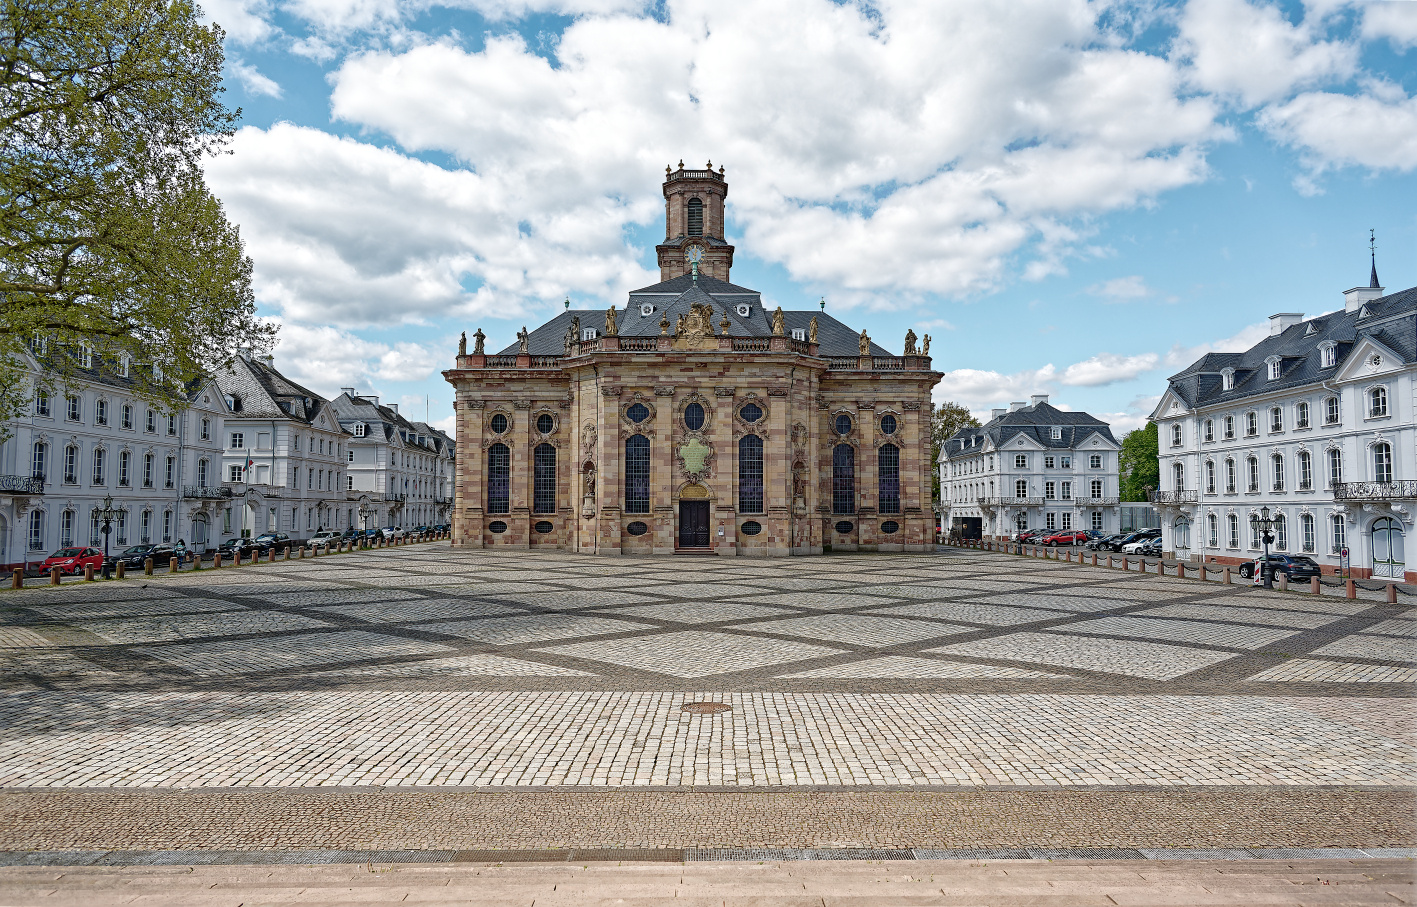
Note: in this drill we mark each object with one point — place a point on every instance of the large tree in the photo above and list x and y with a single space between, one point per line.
945 419
110 241
1139 462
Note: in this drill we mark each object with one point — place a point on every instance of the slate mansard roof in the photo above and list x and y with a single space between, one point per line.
1033 422
377 417
673 298
1389 320
265 393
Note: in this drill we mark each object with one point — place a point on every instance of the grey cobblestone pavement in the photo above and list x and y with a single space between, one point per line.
423 668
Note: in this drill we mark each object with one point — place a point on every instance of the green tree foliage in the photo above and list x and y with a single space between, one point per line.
1139 462
945 419
109 236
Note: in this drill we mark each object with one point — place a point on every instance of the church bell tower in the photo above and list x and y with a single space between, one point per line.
693 224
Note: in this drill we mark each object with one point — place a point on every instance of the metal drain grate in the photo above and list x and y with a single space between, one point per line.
705 708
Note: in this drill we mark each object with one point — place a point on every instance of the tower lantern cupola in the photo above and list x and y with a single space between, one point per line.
693 223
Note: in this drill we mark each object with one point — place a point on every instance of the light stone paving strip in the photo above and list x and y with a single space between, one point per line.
162 628
900 666
186 740
1154 661
214 659
1149 627
1380 648
1312 670
694 654
857 629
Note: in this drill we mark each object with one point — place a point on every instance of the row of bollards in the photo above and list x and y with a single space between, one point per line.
1350 589
17 575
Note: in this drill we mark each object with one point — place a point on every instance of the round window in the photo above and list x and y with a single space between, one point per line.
544 526
694 416
844 527
751 413
843 424
888 425
890 527
544 423
637 528
752 527
499 423
496 526
637 413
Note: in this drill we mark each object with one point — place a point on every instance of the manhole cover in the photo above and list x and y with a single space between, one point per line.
705 708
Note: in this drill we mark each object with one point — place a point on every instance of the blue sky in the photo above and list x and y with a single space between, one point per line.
1072 198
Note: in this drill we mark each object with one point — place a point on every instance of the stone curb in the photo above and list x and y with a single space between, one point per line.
674 855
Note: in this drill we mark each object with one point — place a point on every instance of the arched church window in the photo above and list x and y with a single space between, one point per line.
543 492
696 217
750 474
637 474
888 479
499 479
694 416
843 479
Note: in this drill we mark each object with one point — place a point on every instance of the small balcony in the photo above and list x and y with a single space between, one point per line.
1009 502
1375 491
1096 502
21 484
1173 497
206 492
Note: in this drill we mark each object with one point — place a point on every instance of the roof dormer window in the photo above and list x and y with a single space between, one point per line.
359 429
1328 354
588 333
744 310
1272 366
1227 379
1057 433
646 310
799 334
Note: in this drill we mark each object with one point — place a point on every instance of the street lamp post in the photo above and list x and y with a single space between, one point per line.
364 514
1264 524
105 514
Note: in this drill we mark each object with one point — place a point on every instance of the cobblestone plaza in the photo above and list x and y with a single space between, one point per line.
423 698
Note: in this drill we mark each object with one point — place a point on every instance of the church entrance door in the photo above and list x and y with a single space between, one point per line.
693 524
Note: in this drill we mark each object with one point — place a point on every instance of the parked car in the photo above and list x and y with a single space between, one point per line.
1149 548
245 547
277 540
323 538
1026 536
1135 546
393 532
1294 567
1066 537
73 560
133 557
1102 543
1140 535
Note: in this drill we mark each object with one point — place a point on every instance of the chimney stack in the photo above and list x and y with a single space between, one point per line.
1016 406
394 407
998 412
347 391
1039 398
1280 322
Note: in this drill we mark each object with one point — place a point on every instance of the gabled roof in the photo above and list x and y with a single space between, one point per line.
672 298
265 393
1035 423
1391 320
384 421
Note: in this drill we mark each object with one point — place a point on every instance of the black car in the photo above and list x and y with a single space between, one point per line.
1102 543
277 540
133 558
1116 543
247 548
1293 567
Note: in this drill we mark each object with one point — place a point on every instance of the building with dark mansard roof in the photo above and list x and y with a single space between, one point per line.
691 419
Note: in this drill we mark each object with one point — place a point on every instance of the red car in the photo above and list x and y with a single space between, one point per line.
1069 537
73 560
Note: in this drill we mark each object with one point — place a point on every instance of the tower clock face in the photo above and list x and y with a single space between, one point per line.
694 253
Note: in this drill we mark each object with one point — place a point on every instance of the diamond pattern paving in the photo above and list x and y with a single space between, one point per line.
693 654
857 629
1133 658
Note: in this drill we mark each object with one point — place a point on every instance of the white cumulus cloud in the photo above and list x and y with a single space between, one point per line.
1182 356
1107 368
325 359
1395 20
1121 289
1377 130
253 81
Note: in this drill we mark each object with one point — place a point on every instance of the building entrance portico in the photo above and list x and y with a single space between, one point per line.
693 524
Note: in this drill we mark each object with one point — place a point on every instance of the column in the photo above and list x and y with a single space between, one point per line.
610 479
662 475
725 476
917 528
777 473
470 483
867 518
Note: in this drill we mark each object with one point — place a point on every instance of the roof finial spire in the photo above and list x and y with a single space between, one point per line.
1373 256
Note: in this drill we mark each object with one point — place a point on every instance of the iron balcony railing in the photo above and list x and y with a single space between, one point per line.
1095 502
1173 497
1375 491
206 492
1009 502
21 484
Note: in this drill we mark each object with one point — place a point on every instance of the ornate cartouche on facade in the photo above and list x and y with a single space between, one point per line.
690 419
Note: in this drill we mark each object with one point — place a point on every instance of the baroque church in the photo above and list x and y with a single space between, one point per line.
693 420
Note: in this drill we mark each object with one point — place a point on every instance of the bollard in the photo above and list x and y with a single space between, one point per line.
1180 570
1350 589
88 573
216 561
1283 582
300 555
119 574
236 558
1125 566
287 552
53 576
17 578
1392 593
1094 558
147 566
1141 564
173 564
1225 576
1314 585
271 556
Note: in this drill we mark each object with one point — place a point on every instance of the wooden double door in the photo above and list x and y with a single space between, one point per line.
693 524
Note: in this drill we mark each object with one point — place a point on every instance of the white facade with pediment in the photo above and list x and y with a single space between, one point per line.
1332 454
1031 466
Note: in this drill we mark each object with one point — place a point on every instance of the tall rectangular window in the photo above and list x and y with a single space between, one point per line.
40 459
1306 528
98 466
1234 530
124 468
843 479
1335 467
170 475
121 524
66 529
36 530
148 471
1382 462
73 413
1050 520
637 474
1020 488
1067 491
888 479
1067 519
1096 488
1050 490
1339 535
543 491
1097 521
41 404
750 474
1306 470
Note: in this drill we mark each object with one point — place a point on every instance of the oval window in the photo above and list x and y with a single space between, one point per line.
843 424
844 527
544 423
752 527
544 526
751 413
499 423
637 528
888 425
890 527
496 526
637 413
694 416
